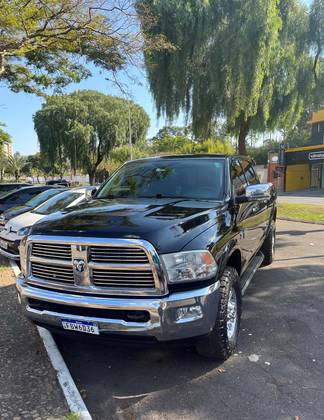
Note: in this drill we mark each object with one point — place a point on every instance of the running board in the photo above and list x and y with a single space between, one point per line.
250 271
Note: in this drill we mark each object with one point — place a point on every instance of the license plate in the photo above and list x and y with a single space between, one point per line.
3 244
80 326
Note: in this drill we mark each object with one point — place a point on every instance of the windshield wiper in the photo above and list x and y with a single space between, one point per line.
159 196
108 197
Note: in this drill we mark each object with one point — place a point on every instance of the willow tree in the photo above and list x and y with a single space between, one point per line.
45 44
239 60
83 127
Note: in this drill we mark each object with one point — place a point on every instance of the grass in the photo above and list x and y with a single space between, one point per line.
72 416
308 212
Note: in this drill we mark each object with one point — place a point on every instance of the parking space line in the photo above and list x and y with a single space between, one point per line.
70 391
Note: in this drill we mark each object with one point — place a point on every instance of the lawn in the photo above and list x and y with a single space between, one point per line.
301 211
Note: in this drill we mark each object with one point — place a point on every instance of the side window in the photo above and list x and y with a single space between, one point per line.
238 179
13 198
27 195
249 172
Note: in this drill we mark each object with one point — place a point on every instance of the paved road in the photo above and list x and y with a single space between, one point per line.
303 197
282 331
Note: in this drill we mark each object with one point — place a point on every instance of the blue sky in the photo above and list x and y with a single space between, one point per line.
17 110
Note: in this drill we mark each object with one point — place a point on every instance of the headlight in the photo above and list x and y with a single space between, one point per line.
23 255
24 231
189 266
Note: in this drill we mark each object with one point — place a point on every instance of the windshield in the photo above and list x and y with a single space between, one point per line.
167 178
57 203
40 198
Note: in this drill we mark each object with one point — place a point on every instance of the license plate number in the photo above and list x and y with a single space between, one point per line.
80 326
3 244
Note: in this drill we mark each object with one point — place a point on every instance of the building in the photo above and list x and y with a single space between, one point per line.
305 165
7 148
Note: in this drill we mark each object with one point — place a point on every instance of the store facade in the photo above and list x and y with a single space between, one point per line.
304 168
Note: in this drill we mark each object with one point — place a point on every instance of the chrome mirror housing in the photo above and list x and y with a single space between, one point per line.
258 192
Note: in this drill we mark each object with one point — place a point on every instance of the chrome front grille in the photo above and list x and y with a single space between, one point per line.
52 273
52 251
94 265
123 255
123 278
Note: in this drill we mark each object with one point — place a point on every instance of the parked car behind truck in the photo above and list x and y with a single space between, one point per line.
163 252
20 197
10 186
31 204
16 228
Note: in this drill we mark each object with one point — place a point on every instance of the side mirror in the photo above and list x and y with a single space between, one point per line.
258 192
90 193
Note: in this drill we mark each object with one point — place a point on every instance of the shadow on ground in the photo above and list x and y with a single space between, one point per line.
282 326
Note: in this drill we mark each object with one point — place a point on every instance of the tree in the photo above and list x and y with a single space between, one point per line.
171 140
36 166
44 43
4 136
300 134
15 164
84 126
247 61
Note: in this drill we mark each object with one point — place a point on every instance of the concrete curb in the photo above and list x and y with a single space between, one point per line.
310 222
70 391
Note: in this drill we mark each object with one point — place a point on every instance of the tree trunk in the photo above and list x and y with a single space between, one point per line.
2 63
244 129
92 176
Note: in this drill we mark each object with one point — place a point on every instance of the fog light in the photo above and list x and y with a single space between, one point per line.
188 313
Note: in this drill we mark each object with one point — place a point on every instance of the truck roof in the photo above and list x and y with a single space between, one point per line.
192 156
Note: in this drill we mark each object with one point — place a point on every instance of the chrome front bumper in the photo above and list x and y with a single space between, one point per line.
9 255
164 322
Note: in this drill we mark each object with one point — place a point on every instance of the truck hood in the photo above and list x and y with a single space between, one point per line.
168 224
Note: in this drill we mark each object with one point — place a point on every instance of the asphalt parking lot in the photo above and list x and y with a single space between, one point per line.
277 373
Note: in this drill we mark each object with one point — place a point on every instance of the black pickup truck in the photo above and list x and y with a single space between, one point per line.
163 252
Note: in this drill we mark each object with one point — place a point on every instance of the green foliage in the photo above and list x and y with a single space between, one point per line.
36 165
260 154
248 61
15 164
300 134
83 127
4 137
45 44
120 155
175 144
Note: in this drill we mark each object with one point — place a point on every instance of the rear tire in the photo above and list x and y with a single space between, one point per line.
269 246
220 343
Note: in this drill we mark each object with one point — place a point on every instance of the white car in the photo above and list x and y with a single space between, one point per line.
16 228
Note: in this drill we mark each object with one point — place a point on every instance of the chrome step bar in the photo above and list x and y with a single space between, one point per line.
250 271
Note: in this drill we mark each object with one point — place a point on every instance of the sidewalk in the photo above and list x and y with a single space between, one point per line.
28 384
302 197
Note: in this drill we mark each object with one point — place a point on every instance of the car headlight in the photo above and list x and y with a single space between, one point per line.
189 266
24 231
23 255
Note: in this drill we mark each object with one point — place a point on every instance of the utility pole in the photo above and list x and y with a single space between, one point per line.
130 131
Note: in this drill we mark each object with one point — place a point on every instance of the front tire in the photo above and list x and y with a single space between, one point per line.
221 342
